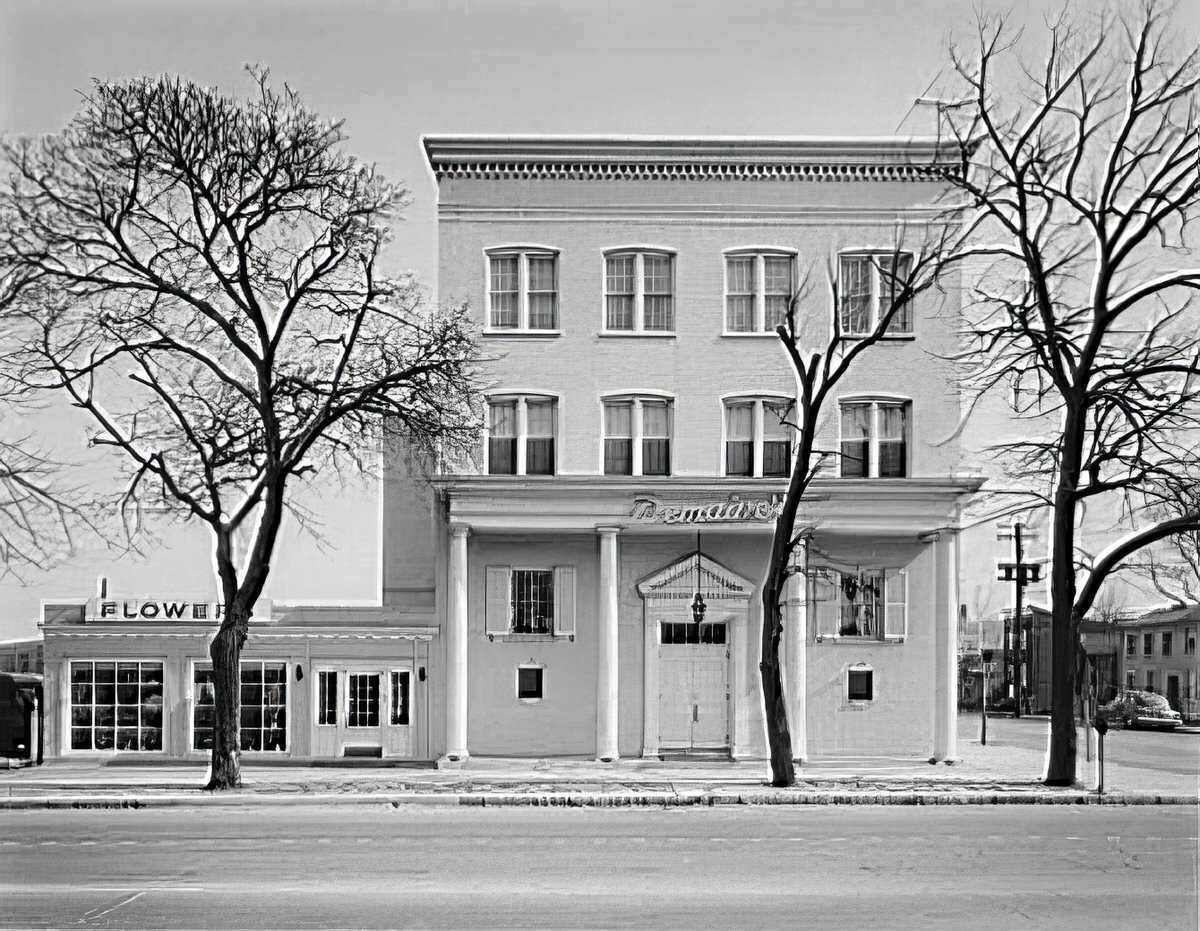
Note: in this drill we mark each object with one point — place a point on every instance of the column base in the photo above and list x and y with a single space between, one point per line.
453 760
608 758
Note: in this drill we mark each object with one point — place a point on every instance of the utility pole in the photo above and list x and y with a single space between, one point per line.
1021 573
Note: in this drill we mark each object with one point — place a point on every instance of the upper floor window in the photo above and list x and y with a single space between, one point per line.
1189 641
875 438
1147 644
868 283
637 436
1166 643
758 439
758 287
871 603
522 290
521 432
1130 644
639 292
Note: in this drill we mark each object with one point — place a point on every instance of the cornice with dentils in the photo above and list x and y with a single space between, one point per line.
689 158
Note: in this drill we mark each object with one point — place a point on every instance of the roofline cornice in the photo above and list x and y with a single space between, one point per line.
687 158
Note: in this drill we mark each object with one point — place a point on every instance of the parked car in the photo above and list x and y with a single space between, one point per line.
1141 709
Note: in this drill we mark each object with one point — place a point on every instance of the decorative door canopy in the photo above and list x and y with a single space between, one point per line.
677 581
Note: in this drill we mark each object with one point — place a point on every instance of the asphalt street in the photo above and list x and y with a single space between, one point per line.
1164 751
854 867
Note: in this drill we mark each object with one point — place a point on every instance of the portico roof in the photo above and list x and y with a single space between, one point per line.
892 507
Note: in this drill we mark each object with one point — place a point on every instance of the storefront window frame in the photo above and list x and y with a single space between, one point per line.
195 664
68 706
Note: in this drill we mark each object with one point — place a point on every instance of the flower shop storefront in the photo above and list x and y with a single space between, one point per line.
315 683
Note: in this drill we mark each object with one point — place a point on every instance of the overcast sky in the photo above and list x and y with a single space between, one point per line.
394 70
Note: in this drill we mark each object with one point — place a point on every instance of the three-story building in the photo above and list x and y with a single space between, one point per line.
639 440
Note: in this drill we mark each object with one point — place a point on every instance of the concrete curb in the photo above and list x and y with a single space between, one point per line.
590 799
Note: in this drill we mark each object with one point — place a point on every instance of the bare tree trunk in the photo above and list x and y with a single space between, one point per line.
779 739
1064 632
226 652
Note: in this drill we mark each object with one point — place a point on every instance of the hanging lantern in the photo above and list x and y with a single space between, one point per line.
698 605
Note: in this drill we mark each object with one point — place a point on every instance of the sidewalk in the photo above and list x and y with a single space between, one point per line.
1001 773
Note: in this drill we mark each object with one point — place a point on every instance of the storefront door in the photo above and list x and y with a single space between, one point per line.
363 711
694 686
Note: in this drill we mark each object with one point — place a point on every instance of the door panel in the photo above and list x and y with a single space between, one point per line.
675 701
711 715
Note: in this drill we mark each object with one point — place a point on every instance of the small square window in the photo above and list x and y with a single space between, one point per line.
529 683
860 684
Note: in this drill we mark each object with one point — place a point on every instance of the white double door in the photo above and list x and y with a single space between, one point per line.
693 710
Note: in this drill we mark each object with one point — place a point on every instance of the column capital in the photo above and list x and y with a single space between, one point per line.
608 528
459 530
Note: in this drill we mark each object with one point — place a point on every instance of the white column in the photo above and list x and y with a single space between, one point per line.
795 641
456 649
637 431
945 591
606 671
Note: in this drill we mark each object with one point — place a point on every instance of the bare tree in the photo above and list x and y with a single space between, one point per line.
1172 566
1081 175
200 274
819 370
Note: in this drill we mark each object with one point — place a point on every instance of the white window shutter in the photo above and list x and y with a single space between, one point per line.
564 600
824 602
499 599
896 610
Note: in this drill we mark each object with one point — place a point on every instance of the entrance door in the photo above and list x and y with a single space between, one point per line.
693 711
364 726
1173 691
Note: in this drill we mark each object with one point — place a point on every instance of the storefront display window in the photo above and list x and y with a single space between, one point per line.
264 706
116 705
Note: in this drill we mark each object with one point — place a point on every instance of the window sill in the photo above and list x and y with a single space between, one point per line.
637 334
530 701
530 638
523 334
858 641
887 338
749 334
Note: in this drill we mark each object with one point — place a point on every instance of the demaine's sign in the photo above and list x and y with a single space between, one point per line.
717 512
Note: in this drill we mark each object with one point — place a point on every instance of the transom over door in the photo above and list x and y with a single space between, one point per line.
693 689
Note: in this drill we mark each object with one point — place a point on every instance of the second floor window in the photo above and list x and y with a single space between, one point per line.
1130 645
758 287
522 290
637 436
1147 644
639 292
874 439
758 440
868 283
1166 644
1189 641
521 432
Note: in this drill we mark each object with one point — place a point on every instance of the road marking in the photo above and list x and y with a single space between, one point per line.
92 914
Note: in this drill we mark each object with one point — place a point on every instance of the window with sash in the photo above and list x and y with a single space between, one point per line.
875 437
637 436
1147 644
116 705
639 292
521 435
1166 643
1130 644
530 600
868 286
758 288
522 290
263 706
758 438
866 604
